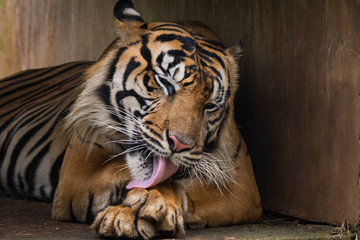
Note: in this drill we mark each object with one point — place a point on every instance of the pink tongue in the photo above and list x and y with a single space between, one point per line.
162 170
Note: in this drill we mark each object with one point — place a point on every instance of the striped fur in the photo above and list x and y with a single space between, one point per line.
33 105
78 133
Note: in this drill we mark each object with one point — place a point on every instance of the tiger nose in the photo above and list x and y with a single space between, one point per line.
176 145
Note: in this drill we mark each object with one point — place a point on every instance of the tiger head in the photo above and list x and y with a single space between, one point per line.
162 94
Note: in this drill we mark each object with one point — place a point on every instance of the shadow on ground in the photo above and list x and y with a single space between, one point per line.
22 219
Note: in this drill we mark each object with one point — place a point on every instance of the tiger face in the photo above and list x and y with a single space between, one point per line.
163 100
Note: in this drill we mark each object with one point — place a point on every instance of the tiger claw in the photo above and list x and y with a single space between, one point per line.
143 214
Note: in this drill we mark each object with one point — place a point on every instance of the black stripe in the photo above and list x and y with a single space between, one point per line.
177 53
211 42
44 196
146 53
218 118
238 148
160 58
190 82
228 77
55 173
217 73
152 140
189 70
18 149
18 75
159 61
150 108
170 89
146 80
130 93
11 132
213 47
36 113
41 72
30 173
72 215
89 214
116 196
166 25
203 63
73 81
51 129
30 101
153 131
21 123
206 54
32 84
209 146
188 43
112 68
144 26
47 135
130 67
227 94
21 184
105 95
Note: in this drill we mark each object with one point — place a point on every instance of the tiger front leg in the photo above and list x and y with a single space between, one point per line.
88 182
145 213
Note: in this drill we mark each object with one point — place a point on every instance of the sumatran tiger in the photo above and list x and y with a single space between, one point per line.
142 142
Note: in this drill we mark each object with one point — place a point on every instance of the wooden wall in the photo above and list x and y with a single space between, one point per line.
300 103
299 92
40 33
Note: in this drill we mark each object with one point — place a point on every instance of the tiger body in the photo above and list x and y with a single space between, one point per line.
140 143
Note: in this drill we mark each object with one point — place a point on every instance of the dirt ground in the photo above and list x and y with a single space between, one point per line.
22 219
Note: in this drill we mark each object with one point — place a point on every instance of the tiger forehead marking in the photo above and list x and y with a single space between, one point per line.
166 57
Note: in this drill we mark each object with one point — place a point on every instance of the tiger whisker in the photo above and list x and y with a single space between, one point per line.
117 129
123 167
129 150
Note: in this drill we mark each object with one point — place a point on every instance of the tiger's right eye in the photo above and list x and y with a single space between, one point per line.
166 85
210 107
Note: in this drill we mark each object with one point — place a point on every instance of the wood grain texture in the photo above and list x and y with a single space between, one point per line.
40 33
299 89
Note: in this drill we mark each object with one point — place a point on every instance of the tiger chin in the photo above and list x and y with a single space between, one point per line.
145 136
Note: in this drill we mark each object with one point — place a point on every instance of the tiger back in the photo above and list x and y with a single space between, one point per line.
33 104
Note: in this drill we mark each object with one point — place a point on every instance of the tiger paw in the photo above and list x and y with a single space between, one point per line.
143 214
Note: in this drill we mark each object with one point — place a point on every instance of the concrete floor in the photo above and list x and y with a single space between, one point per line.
22 219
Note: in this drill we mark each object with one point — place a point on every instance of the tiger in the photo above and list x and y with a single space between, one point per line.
141 143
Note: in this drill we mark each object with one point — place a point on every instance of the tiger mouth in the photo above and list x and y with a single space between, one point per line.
163 168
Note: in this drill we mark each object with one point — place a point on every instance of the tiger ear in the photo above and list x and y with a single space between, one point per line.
236 51
126 15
